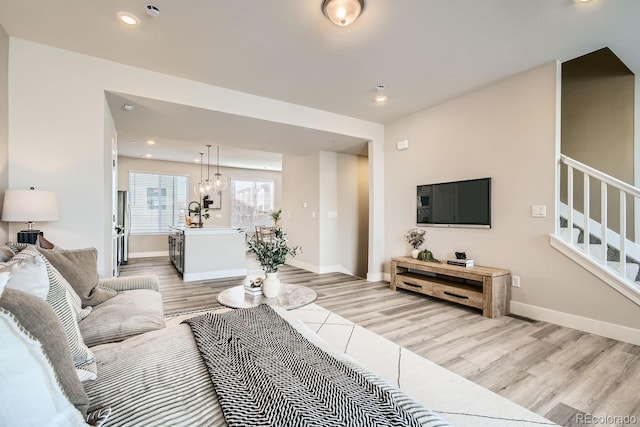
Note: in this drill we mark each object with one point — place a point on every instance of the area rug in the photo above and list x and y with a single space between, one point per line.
458 400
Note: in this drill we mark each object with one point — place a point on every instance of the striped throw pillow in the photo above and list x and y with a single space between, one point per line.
65 303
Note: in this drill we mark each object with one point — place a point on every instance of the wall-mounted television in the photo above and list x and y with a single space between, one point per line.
455 204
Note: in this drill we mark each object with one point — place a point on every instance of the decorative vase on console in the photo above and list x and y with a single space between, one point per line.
272 253
415 237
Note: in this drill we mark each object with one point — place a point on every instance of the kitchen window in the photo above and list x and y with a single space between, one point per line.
251 202
157 201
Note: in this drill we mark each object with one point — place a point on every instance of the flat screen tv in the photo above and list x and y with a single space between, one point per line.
455 204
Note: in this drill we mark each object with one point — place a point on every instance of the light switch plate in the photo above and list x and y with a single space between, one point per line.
402 145
539 211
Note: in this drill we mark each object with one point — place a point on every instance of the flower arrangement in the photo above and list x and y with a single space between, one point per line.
415 237
272 253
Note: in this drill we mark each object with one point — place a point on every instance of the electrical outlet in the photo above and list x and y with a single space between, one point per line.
515 281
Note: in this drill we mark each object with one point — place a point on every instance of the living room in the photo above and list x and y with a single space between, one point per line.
59 136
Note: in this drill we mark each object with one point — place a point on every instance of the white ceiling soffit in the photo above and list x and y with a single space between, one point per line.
423 51
180 132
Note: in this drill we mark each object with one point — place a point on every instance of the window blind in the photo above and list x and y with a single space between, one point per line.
157 201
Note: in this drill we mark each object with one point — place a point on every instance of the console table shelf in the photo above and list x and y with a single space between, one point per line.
486 288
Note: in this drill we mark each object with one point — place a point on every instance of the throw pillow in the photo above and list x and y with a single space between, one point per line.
28 275
35 315
80 268
5 253
60 298
30 394
4 279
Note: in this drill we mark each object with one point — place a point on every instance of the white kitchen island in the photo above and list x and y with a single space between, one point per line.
208 253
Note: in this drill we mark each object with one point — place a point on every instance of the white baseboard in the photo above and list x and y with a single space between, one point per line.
377 277
597 327
217 274
148 254
319 269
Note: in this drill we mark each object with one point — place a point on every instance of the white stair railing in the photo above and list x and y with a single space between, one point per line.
624 189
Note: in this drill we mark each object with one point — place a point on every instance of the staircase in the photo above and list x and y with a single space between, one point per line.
593 244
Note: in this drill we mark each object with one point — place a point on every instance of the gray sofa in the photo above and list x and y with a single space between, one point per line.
57 298
135 371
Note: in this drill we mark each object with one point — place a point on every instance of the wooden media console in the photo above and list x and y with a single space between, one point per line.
486 288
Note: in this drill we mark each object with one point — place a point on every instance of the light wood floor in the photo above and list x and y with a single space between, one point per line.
557 372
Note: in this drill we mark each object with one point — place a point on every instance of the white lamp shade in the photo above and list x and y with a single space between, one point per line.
30 206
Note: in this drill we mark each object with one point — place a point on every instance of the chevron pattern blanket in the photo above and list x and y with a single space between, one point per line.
266 373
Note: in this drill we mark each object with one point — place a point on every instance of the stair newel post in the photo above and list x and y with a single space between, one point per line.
603 221
587 203
623 234
570 201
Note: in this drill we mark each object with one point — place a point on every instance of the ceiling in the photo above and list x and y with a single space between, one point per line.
423 51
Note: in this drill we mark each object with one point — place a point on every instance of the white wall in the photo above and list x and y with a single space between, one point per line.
353 213
324 212
4 124
300 207
156 244
507 131
56 133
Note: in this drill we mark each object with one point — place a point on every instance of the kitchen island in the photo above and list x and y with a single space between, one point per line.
208 253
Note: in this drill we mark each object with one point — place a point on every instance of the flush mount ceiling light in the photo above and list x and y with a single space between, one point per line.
128 107
128 19
342 12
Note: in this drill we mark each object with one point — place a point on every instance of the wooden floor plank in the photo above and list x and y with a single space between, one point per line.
558 372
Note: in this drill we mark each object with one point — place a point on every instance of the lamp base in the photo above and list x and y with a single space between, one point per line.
28 236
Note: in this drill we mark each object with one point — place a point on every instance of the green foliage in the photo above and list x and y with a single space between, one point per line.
196 211
272 253
276 216
415 237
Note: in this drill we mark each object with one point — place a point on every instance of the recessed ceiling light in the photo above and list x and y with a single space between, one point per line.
128 19
380 98
148 156
134 142
151 142
583 1
128 107
196 160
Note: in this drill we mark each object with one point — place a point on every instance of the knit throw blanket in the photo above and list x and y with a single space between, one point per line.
266 373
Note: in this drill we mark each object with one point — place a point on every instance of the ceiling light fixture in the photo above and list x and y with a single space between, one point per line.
199 190
342 12
380 97
219 182
128 107
148 156
128 19
151 142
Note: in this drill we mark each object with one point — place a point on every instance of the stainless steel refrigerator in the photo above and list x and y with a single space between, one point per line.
123 229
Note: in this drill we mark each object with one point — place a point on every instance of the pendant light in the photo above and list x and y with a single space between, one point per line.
219 182
199 189
208 185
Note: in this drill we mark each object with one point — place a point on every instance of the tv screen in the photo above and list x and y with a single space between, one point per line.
455 204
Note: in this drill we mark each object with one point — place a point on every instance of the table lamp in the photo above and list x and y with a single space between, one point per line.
29 206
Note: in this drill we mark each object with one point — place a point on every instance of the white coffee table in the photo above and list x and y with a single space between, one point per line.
290 297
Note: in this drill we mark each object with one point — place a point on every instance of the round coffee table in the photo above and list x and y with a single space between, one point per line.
290 297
